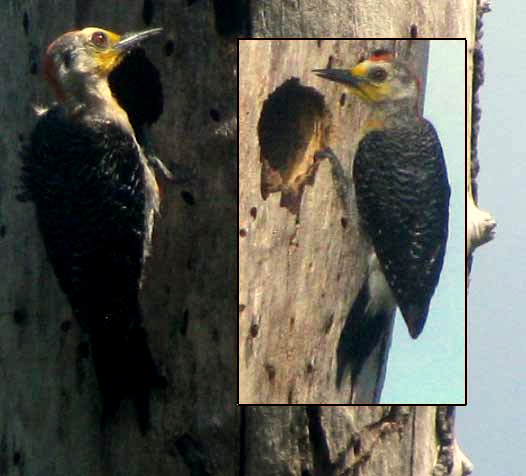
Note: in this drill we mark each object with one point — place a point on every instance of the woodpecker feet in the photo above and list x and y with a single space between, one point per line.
341 181
159 166
179 174
325 153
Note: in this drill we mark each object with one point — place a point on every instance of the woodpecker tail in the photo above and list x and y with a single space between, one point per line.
124 365
367 333
363 331
415 316
352 350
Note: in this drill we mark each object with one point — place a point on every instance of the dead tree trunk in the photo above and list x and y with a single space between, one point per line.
481 227
301 264
280 264
331 441
50 405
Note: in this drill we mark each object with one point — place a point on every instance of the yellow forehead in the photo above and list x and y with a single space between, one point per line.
370 91
363 68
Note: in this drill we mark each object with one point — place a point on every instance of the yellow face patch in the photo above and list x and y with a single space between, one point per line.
109 59
361 69
103 44
373 92
369 90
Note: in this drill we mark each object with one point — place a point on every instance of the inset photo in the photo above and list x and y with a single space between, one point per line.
352 235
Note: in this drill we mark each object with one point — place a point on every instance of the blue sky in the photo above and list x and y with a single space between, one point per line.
492 428
431 369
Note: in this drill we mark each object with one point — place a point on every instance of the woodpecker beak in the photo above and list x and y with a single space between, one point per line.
129 41
110 57
355 79
343 76
358 81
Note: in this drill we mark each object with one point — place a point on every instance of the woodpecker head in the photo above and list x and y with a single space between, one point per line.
378 79
77 62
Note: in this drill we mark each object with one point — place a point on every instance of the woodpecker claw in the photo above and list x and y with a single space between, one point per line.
181 174
325 153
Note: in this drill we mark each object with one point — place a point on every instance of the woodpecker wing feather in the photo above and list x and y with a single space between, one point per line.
88 188
88 182
402 194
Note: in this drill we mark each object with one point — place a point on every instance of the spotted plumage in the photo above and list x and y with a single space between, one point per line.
402 194
95 198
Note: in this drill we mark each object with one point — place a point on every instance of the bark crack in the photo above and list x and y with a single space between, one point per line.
321 460
445 420
362 443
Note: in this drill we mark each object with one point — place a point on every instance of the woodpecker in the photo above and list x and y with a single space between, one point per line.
401 191
95 197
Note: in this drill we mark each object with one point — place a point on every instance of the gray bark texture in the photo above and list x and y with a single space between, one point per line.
362 18
339 440
481 227
294 290
299 273
50 406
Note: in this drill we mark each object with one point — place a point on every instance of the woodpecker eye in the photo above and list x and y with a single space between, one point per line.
99 39
378 74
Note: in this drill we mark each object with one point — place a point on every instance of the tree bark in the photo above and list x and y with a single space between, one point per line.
318 440
300 271
50 406
481 227
330 441
362 19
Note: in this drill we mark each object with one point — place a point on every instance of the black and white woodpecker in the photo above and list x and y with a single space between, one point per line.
402 196
96 196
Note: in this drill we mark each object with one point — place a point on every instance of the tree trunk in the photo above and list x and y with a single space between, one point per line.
300 267
50 405
362 19
481 227
331 441
291 302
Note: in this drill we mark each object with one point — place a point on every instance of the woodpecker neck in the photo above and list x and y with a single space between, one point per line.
95 100
392 114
